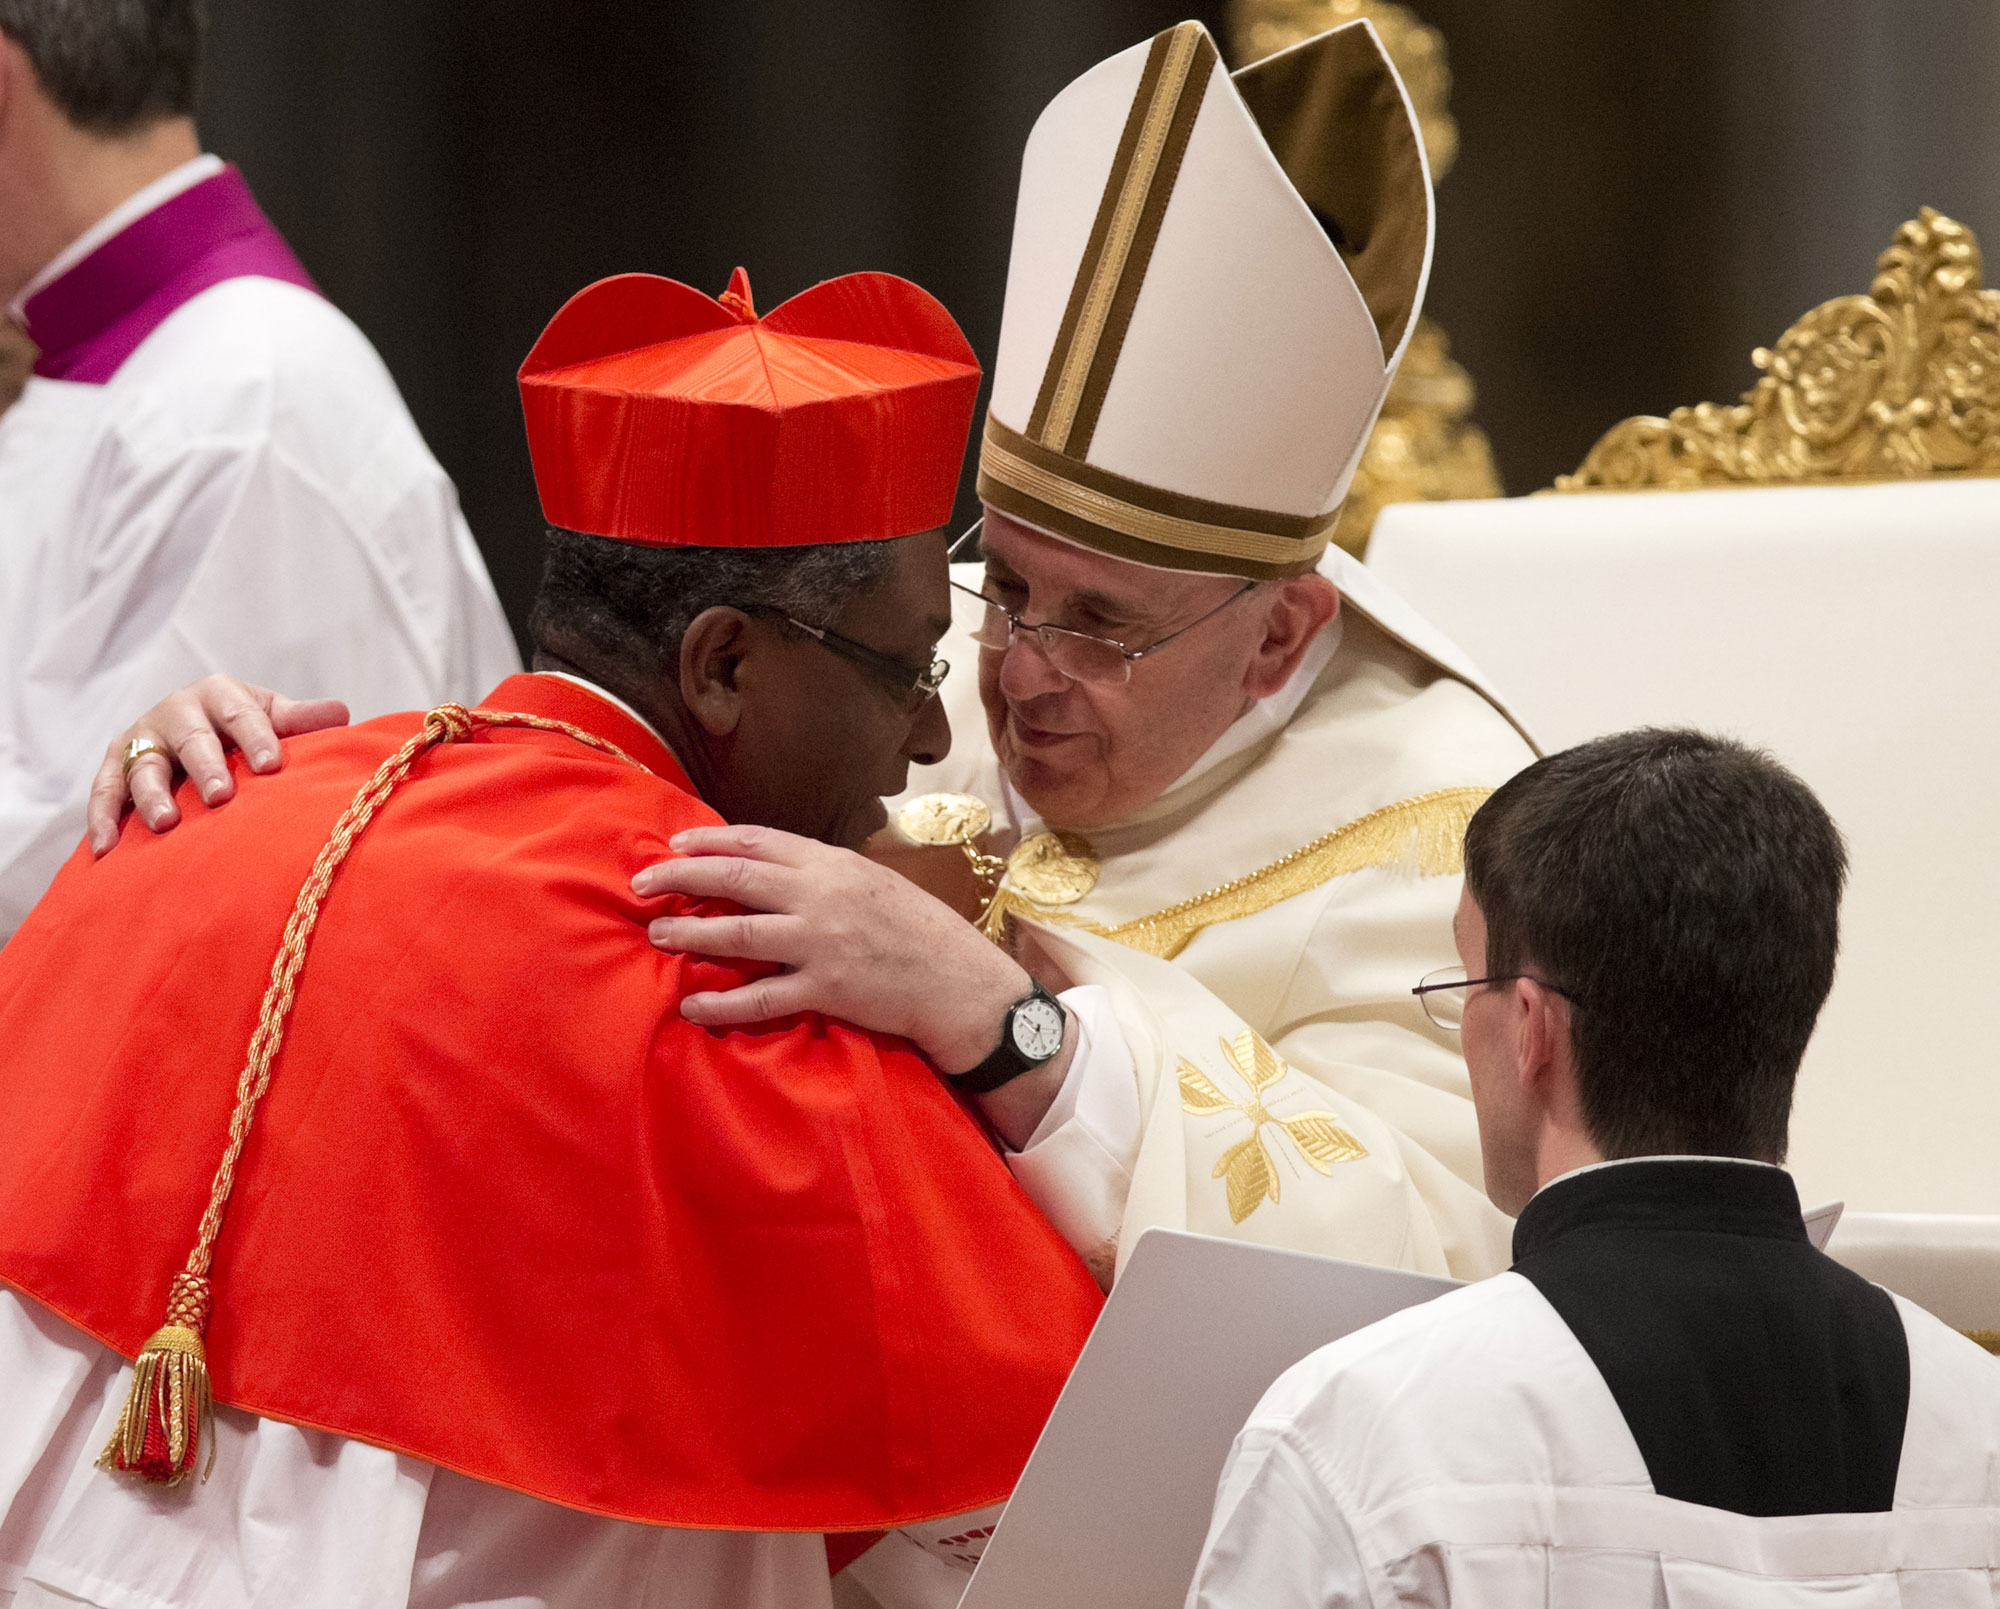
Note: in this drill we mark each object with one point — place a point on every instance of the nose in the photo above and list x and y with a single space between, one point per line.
930 734
1025 671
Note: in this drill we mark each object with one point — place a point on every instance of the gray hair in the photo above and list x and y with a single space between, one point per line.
621 607
112 66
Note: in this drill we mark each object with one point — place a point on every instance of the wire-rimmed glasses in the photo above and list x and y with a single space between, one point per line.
1443 993
913 684
1078 655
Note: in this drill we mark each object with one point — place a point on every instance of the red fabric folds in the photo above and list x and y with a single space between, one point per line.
658 415
502 1208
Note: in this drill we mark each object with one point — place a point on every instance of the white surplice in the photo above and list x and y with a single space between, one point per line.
247 494
1468 1453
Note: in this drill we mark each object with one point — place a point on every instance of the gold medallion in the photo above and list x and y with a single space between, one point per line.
944 818
1053 868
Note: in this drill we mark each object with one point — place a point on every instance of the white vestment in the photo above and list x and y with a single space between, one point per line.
302 1519
1468 1452
1257 931
246 494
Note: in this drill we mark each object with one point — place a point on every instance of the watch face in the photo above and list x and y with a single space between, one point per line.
1038 1029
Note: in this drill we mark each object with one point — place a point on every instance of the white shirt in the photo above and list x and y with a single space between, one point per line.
247 493
1467 1452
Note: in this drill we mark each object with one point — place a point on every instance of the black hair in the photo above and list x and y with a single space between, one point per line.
112 66
619 609
1684 891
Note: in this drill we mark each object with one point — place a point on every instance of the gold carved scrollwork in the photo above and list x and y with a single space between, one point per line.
1902 382
1425 447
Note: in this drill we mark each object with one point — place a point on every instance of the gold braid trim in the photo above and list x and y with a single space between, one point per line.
170 1389
1425 834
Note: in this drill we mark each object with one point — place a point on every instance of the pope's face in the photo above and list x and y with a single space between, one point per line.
829 733
1083 754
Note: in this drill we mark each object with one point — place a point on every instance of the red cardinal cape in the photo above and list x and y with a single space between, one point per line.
502 1208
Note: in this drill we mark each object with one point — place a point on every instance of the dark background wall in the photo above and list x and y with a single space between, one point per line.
1646 188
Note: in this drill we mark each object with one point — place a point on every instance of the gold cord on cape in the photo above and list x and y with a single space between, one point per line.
1425 834
170 1386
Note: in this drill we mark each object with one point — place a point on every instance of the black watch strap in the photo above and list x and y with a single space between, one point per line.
1026 1042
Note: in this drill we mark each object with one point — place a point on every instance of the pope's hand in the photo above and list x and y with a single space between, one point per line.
859 942
195 728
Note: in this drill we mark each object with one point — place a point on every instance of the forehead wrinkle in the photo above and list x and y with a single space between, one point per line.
1075 598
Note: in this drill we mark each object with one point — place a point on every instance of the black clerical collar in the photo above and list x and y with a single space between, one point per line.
1714 1195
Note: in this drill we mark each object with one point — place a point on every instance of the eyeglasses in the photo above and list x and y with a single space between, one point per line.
1444 1003
1075 654
915 686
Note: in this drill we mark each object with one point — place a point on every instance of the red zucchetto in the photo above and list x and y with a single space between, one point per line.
662 416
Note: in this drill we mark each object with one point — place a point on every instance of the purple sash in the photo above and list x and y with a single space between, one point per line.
91 319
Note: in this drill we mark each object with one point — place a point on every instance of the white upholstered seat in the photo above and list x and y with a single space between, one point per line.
1851 630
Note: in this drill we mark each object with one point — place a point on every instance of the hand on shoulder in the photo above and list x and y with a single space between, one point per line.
190 732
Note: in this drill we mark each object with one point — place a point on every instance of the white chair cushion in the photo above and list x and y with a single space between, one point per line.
1851 630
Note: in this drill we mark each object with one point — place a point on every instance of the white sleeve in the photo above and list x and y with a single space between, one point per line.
1077 1165
290 1516
1277 1539
238 562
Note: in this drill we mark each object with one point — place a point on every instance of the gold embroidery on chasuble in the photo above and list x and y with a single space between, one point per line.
1248 1168
1424 835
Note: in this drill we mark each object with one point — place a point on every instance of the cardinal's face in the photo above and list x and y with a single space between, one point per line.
833 726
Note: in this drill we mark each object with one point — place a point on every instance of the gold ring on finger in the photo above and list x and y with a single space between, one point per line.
139 747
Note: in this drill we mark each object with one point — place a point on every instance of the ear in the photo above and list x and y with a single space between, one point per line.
1296 610
712 654
1546 1065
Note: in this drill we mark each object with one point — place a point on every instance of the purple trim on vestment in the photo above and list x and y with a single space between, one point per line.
92 318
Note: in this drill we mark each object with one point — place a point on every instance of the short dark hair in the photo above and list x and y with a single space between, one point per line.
620 609
112 66
1684 891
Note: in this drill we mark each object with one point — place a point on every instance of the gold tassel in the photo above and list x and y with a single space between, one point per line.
168 1412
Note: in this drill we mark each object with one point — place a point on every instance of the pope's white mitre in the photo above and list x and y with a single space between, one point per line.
1212 282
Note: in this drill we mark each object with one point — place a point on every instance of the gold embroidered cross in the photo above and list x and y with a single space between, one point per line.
1248 1166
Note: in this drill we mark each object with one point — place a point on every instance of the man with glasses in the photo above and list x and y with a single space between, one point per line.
1226 772
1220 806
1673 1397
486 1275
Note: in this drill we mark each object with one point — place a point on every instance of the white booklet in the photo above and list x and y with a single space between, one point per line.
1113 1507
1820 1222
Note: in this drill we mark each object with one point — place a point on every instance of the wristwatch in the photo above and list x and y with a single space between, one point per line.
1030 1036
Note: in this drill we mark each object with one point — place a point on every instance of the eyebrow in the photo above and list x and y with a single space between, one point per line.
1099 603
1111 608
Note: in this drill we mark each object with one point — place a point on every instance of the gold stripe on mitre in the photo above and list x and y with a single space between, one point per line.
1144 169
1423 835
1131 520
